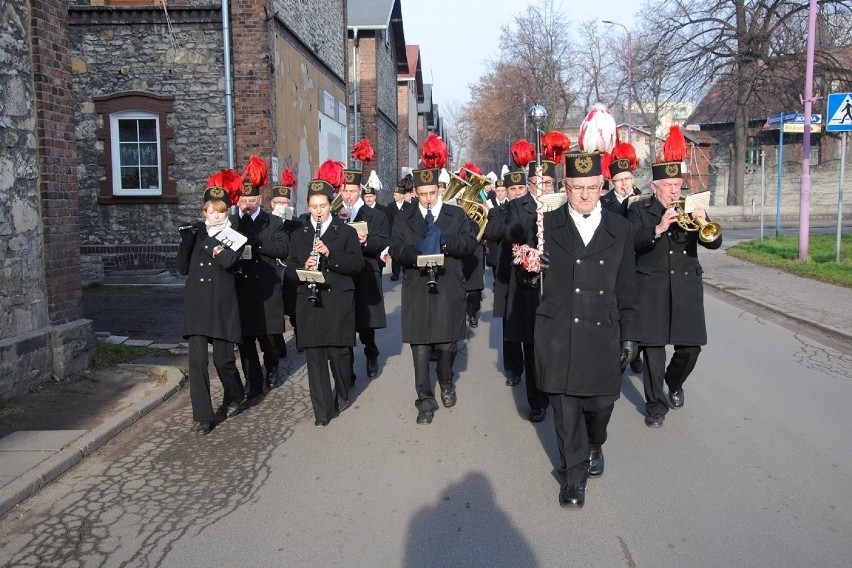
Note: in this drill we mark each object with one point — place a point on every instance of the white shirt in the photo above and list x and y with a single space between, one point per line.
353 210
254 216
620 197
586 225
323 227
436 209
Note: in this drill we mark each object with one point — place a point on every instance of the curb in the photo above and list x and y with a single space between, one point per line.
30 482
808 322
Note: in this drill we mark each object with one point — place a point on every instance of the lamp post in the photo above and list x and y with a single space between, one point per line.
629 78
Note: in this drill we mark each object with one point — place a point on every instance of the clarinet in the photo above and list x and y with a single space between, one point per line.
313 297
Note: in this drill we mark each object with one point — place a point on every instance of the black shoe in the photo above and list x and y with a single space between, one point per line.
448 397
320 423
537 414
596 462
253 393
655 421
204 428
636 365
425 416
372 367
573 495
512 379
342 403
473 321
272 378
232 409
394 278
676 397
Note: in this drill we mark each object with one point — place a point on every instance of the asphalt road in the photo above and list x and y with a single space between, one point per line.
755 470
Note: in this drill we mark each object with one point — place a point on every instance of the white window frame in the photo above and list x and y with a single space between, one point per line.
117 190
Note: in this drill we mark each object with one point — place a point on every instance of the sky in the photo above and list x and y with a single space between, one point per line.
458 37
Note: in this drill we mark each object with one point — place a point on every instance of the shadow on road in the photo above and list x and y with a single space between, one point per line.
465 527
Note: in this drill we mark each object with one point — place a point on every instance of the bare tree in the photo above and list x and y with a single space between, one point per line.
740 39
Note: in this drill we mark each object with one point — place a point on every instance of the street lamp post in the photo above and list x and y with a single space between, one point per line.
629 78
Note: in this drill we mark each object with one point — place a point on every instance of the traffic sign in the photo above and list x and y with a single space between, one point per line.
839 112
781 116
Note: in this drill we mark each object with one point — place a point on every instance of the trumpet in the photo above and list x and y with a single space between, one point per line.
707 230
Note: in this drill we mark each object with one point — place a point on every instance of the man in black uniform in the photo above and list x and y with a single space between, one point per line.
369 299
432 316
671 293
403 188
622 164
282 207
516 224
259 284
327 325
588 315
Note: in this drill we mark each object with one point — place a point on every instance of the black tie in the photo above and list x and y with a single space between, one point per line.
429 218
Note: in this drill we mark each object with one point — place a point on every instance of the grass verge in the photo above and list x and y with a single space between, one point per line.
783 252
107 354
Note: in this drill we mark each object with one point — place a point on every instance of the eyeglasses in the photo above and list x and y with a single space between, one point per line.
670 184
581 189
625 178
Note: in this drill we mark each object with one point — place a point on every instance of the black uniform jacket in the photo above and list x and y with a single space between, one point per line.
369 300
288 286
433 315
610 202
259 277
331 321
668 275
473 265
393 211
210 295
514 222
492 250
589 306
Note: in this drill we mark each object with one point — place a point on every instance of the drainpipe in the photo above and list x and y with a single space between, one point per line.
229 89
356 119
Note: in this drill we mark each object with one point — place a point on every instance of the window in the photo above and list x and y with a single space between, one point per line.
135 154
136 157
753 150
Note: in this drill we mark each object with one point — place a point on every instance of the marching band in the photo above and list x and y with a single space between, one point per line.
609 278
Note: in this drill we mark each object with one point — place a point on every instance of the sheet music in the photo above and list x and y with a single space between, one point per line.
700 199
231 238
360 226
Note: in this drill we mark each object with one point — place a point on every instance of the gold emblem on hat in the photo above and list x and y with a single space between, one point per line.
316 186
426 176
247 188
217 192
282 191
350 177
583 164
673 170
623 164
368 190
516 178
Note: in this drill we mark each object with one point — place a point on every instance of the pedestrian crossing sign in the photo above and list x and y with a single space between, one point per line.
839 113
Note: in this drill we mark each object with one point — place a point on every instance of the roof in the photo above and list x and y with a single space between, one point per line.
777 88
414 72
377 15
698 137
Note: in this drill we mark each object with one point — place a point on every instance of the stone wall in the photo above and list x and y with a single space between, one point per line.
321 26
42 334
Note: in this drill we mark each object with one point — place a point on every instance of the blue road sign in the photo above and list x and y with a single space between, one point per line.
839 113
785 116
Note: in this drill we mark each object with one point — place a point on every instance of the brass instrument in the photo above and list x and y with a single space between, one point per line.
469 200
336 203
707 230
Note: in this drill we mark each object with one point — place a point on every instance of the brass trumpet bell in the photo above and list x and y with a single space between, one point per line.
707 230
470 200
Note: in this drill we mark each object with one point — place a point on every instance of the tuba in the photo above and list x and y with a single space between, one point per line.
707 230
469 200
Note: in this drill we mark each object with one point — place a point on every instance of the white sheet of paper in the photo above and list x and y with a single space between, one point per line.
700 199
231 238
360 226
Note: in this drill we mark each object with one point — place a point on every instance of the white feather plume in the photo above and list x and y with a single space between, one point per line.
374 182
504 170
598 131
491 177
444 176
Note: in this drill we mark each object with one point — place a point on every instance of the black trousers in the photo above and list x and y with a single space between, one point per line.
199 377
273 348
368 340
520 358
423 381
474 302
318 360
395 269
656 373
580 422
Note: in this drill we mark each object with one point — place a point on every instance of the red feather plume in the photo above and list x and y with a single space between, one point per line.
625 151
288 178
256 171
332 172
522 153
470 166
363 152
230 181
674 148
434 153
554 145
606 160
